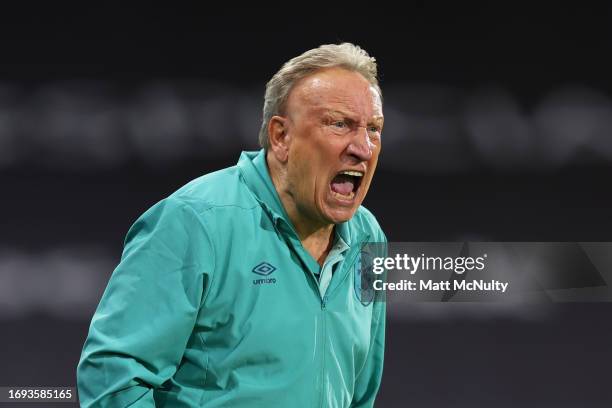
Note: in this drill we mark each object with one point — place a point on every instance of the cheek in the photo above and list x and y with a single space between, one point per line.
303 175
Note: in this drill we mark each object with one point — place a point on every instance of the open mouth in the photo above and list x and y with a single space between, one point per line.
345 184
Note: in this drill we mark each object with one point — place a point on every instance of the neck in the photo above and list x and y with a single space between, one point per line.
316 236
318 243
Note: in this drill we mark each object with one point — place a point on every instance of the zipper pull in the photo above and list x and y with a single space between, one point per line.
324 302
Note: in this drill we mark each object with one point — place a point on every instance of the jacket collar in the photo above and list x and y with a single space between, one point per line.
254 170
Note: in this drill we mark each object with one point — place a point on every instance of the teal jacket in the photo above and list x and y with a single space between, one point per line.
215 303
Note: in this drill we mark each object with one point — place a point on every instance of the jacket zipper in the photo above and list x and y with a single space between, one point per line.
323 349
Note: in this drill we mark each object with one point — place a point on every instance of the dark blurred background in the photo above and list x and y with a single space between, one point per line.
498 128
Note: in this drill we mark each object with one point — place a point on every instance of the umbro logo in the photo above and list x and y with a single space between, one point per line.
264 269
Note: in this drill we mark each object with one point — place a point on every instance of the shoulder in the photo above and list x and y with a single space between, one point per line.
222 188
193 205
366 221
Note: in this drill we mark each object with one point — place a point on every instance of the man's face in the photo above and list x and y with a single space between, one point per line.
334 130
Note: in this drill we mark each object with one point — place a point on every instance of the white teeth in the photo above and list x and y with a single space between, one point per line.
352 173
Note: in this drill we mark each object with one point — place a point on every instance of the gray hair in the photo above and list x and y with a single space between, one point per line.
345 55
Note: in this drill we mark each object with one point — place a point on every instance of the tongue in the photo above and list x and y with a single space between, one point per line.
342 184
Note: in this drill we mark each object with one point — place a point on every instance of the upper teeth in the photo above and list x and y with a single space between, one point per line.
352 173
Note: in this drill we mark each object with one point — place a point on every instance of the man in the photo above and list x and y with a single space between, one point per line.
240 289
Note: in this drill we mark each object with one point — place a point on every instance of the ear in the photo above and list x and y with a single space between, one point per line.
278 137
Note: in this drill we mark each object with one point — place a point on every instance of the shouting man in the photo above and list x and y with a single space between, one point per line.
241 288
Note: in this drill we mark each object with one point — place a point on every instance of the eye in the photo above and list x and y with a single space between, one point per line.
340 124
373 129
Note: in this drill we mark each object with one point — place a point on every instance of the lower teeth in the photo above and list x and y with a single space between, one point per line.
344 196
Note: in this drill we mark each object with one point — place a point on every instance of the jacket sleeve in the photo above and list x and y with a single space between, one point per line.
369 379
148 311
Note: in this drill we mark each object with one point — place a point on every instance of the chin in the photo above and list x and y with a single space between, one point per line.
340 216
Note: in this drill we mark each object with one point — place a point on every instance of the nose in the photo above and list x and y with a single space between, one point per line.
360 147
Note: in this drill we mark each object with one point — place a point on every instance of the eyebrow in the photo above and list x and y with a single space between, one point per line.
375 119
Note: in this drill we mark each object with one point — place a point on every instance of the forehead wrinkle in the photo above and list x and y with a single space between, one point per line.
346 105
324 94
